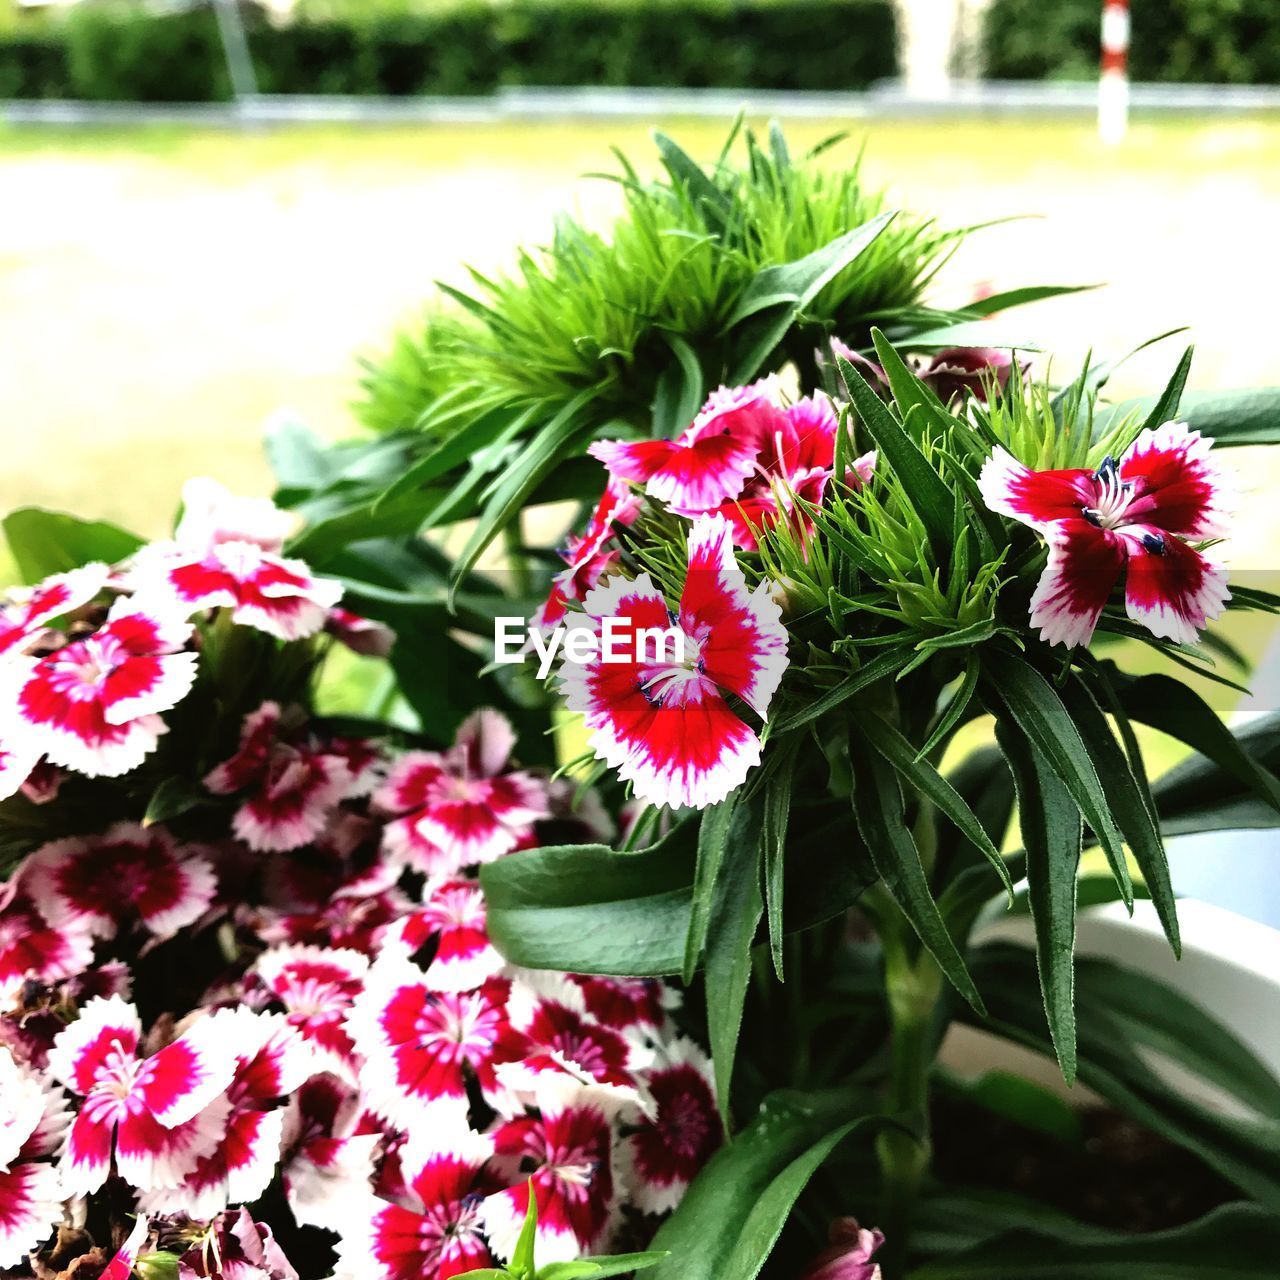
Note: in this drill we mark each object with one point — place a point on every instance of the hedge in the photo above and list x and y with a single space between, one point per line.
1193 41
114 53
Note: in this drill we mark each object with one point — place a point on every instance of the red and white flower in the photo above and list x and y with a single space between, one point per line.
969 371
795 463
316 986
158 1112
667 1146
235 1247
711 461
271 1061
23 616
330 1147
32 947
294 784
460 808
1136 518
94 705
452 922
420 1046
565 1153
121 1267
33 1119
436 1233
18 757
590 555
131 873
665 725
225 555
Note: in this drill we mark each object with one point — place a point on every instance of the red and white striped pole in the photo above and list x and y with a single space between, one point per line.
1113 86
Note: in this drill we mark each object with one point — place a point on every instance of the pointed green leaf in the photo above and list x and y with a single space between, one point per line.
777 812
877 805
1051 836
44 542
1039 712
713 833
926 781
599 1268
927 491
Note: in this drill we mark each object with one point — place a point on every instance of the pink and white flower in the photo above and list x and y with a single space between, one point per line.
591 554
565 1153
459 808
121 1267
420 1046
711 461
235 1247
225 555
31 947
33 1119
157 1113
665 725
94 705
436 1233
18 757
1136 518
969 371
271 1061
667 1147
452 922
96 884
316 987
294 784
24 615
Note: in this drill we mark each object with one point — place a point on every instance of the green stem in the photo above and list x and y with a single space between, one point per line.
913 985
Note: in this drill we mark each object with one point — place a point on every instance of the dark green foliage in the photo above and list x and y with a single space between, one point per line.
123 51
1180 41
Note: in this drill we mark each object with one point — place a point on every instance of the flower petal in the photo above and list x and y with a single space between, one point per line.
1173 592
1036 498
1178 486
1084 566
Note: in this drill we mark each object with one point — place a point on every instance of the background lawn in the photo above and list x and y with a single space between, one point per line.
163 291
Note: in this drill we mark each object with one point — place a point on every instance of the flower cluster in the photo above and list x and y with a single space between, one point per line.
276 1038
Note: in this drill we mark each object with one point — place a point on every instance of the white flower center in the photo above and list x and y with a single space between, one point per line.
1112 497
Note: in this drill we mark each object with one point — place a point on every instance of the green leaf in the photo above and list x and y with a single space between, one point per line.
713 833
599 1268
1020 297
1235 1242
1130 1024
877 804
1248 416
539 457
966 333
1028 1104
731 1216
680 390
908 390
928 492
713 203
926 781
785 291
735 915
880 668
1129 804
773 840
173 797
1166 406
522 1262
1051 836
1176 709
1039 712
590 909
44 542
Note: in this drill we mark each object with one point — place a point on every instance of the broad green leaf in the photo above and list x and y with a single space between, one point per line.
1129 805
301 462
590 909
926 781
713 834
1051 836
877 804
1235 1242
44 542
735 914
1028 1104
731 1216
1039 712
927 491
